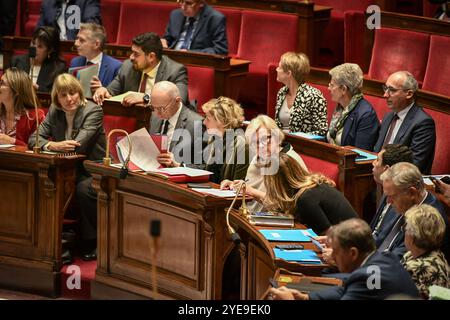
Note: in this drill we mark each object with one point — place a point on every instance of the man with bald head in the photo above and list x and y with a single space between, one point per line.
182 126
407 123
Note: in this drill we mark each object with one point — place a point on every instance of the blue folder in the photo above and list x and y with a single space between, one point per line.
302 256
308 136
364 156
288 234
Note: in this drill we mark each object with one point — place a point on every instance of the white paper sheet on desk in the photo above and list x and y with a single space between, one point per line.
6 145
217 192
144 150
190 172
119 97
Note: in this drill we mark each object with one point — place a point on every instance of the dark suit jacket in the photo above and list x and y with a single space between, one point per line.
189 132
49 70
417 132
129 79
210 35
361 127
87 130
388 222
109 67
394 279
51 10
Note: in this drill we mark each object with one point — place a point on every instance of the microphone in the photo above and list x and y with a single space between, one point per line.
32 55
242 210
107 159
155 232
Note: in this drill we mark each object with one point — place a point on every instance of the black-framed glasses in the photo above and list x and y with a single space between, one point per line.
161 109
391 90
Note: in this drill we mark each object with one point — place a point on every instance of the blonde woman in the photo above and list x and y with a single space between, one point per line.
17 112
266 141
74 124
311 197
299 106
227 150
424 233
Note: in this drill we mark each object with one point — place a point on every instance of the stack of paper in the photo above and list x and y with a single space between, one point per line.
119 97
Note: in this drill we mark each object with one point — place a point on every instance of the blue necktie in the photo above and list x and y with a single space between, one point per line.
187 38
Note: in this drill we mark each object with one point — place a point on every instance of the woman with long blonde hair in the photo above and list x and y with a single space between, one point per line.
311 197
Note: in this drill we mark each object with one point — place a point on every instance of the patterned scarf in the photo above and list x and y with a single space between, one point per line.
340 115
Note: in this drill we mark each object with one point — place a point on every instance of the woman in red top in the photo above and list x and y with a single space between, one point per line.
17 113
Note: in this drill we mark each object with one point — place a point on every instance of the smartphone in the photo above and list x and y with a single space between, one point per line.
316 243
437 188
289 246
199 185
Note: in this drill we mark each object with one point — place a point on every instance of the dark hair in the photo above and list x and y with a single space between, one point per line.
149 42
354 232
395 153
49 37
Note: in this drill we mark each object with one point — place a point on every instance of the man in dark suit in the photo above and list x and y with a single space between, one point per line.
373 275
182 126
66 15
197 27
407 124
90 43
147 65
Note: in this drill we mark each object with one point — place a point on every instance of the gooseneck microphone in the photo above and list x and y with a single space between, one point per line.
32 55
234 235
107 159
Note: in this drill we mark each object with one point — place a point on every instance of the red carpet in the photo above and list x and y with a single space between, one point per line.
76 279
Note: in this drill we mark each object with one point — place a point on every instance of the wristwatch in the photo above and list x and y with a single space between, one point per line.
146 99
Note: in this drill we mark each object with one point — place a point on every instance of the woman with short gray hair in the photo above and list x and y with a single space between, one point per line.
354 121
424 232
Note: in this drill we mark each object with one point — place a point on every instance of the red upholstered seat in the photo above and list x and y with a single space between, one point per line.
379 104
441 162
345 5
354 27
110 10
264 38
233 17
273 86
201 84
395 50
331 44
116 122
140 17
34 12
437 75
329 169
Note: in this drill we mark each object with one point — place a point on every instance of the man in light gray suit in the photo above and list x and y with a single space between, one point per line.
182 126
147 65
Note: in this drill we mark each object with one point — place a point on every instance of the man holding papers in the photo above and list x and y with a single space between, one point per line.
90 43
182 126
373 274
147 65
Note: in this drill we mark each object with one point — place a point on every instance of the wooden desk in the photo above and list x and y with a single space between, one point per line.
228 72
194 244
35 190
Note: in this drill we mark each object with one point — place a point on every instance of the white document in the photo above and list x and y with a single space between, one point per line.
217 192
119 98
85 76
190 172
144 150
7 145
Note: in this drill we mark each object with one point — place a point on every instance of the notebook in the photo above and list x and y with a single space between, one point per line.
288 234
302 256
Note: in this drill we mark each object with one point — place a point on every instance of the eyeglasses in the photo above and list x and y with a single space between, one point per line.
161 109
187 3
391 90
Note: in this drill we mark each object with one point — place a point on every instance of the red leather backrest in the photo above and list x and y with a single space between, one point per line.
110 11
395 50
329 169
233 27
441 162
379 104
140 17
265 36
437 75
354 26
201 84
344 5
117 122
273 86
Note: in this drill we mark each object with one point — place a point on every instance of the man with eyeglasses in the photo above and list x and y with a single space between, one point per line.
407 124
183 127
146 66
197 27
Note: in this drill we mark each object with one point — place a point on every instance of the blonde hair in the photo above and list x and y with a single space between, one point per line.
349 75
266 122
66 83
426 226
286 186
226 111
297 63
22 88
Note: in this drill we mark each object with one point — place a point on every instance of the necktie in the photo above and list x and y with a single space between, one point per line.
164 127
391 129
89 63
187 38
386 244
143 84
